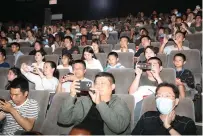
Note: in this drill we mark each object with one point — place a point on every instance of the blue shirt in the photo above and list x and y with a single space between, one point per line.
4 65
17 55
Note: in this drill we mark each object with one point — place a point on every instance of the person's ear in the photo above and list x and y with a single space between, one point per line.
176 101
117 59
184 62
183 39
113 86
85 71
26 93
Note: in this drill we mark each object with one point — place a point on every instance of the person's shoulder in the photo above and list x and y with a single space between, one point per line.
151 114
187 71
32 102
184 119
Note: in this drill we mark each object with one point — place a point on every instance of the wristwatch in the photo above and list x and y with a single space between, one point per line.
169 128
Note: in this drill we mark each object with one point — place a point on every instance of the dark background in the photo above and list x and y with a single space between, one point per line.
33 10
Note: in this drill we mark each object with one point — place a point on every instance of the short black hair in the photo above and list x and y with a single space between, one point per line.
68 55
156 58
95 41
80 62
180 55
113 53
16 44
145 36
90 50
3 52
20 83
83 27
106 74
124 37
69 38
172 86
70 29
4 38
154 49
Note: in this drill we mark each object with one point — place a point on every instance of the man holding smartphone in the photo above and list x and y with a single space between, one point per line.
102 113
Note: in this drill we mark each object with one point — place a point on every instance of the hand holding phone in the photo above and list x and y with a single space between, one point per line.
144 66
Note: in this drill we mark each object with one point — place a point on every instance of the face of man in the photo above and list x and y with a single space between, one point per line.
17 96
83 31
145 42
124 43
79 70
155 67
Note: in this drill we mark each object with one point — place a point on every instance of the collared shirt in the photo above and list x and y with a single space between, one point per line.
17 55
168 49
151 124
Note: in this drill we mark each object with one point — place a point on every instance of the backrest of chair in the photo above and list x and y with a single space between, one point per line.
111 41
168 75
106 47
184 108
26 50
8 51
129 99
195 41
4 71
28 59
58 51
102 57
193 59
126 59
77 56
3 82
125 34
10 59
54 58
50 126
24 44
63 72
91 73
48 51
155 44
122 84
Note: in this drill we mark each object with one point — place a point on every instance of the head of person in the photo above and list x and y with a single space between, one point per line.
113 58
58 38
66 59
30 33
145 41
40 56
50 70
38 45
179 60
88 54
95 45
161 31
68 31
15 47
179 20
3 33
144 32
173 18
102 37
16 28
80 130
2 55
184 17
167 98
124 41
84 39
150 51
19 89
79 69
156 64
51 39
182 29
13 73
17 35
104 82
94 28
190 16
68 41
179 36
198 19
188 10
83 30
4 41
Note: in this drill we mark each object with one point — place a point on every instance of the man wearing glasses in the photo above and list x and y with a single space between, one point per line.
165 121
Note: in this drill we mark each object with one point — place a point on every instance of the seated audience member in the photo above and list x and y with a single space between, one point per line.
66 62
18 38
58 41
38 46
197 25
20 112
79 70
39 60
90 59
144 85
102 38
145 41
15 47
4 42
69 32
80 130
93 32
113 61
51 41
30 37
142 32
104 113
69 48
179 38
124 41
43 80
165 121
95 46
150 51
3 64
83 41
184 28
13 73
184 77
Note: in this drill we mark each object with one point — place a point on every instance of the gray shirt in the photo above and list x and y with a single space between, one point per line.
17 55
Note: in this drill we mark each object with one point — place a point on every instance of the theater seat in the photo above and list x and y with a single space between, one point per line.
54 58
91 73
26 50
48 51
58 51
106 47
4 71
168 75
76 56
28 59
102 57
10 59
184 108
24 44
124 78
8 51
3 82
63 72
126 59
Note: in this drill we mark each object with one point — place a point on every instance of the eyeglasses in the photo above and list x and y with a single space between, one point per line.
165 96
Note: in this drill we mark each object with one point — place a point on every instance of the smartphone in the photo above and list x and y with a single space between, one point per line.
85 85
2 100
144 66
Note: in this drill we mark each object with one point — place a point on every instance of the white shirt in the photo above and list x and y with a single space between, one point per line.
168 49
66 85
62 67
40 66
95 65
53 46
129 50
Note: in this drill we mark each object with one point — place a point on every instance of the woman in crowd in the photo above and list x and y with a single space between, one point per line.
40 59
66 62
43 80
38 46
18 38
30 37
95 46
58 41
150 51
90 59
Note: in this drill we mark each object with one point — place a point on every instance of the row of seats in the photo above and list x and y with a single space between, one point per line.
46 122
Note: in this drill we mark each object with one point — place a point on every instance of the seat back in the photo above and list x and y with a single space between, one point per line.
48 51
63 72
184 108
195 41
91 73
102 57
26 50
77 56
155 44
54 58
4 71
112 41
8 51
193 59
126 59
24 44
3 82
125 34
168 75
58 51
122 84
106 47
28 59
130 46
10 59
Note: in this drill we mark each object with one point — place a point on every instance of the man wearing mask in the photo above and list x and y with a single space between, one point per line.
165 121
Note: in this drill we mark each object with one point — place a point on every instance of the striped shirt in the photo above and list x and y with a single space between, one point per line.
29 109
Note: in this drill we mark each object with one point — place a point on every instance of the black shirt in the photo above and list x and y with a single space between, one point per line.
151 124
71 51
140 51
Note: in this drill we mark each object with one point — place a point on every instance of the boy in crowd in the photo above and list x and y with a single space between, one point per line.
15 47
3 64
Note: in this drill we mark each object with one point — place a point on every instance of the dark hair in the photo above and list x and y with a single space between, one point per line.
113 54
83 27
156 58
145 36
17 33
198 15
16 44
106 74
53 65
95 41
154 49
82 126
144 29
180 33
20 83
4 38
124 37
68 55
90 50
3 52
42 53
178 18
180 55
95 25
16 71
172 86
80 62
70 29
39 42
31 32
103 35
69 38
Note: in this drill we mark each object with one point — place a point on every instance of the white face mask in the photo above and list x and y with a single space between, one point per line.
164 105
110 29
